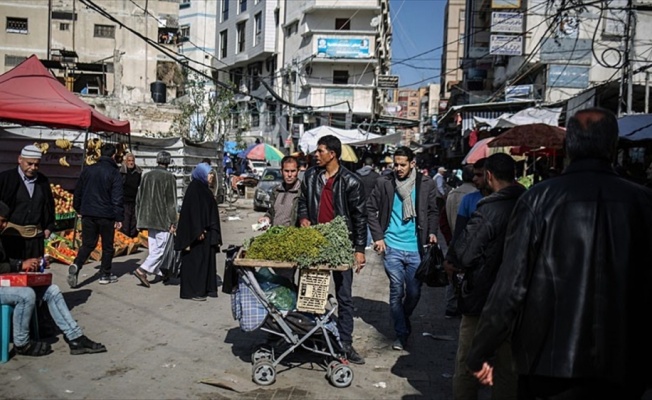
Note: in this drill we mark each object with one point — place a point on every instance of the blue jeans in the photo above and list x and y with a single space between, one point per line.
404 288
24 299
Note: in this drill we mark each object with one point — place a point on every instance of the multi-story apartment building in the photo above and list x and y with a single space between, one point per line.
452 49
88 52
295 56
197 22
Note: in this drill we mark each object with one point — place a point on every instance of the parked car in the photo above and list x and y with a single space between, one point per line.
257 167
270 179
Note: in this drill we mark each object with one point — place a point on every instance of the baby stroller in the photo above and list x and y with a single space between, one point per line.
289 329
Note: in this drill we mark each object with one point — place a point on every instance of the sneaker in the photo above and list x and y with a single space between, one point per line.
83 345
452 314
73 273
399 344
106 279
353 355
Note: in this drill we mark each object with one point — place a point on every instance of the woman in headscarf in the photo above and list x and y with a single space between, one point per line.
198 238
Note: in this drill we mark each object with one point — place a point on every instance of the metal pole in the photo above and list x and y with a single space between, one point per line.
49 46
647 91
630 39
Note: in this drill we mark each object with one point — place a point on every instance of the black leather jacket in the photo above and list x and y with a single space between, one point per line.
478 251
575 280
348 201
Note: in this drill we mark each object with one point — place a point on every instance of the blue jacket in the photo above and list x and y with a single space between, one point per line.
99 191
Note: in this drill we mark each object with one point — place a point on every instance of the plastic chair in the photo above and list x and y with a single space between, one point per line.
6 314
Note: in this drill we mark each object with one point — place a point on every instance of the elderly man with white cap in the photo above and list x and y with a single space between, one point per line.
31 217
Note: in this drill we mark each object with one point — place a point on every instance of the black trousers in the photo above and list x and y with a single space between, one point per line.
129 224
548 388
343 285
92 229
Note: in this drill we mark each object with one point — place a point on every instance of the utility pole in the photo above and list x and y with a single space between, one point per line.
627 74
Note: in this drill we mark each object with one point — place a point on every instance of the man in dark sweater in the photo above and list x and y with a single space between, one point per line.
131 175
98 199
368 177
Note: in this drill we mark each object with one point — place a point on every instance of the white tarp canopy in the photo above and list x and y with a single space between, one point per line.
393 138
308 141
532 115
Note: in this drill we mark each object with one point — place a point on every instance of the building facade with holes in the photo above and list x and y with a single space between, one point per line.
93 55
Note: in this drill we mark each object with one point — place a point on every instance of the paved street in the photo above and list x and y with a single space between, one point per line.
161 347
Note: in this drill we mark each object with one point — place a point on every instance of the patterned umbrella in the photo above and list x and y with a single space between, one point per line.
263 151
532 136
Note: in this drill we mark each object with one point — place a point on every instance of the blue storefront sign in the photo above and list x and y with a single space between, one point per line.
343 48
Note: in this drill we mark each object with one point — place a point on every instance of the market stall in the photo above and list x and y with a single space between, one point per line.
31 96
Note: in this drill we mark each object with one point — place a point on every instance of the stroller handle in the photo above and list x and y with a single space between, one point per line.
332 301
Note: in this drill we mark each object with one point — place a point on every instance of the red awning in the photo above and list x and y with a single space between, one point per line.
30 95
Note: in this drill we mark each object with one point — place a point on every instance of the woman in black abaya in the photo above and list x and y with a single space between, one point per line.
199 236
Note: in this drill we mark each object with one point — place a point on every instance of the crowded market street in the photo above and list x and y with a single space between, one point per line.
160 346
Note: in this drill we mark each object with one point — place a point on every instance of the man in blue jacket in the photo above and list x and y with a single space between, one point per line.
99 201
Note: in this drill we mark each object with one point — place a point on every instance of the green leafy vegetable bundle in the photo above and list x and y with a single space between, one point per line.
327 244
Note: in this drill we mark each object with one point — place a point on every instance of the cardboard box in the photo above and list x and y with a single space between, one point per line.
26 279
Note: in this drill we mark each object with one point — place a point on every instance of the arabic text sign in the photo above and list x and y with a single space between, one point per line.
506 45
568 76
343 48
509 22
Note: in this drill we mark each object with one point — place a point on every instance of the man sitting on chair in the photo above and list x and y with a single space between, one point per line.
23 299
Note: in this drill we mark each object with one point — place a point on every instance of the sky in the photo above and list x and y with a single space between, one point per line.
418 27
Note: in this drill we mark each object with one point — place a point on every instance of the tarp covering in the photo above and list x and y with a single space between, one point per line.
393 138
635 127
30 95
308 141
530 115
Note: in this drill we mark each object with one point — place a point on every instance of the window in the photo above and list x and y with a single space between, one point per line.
255 115
225 10
340 77
276 17
271 114
343 24
258 28
240 31
12 61
184 32
64 15
16 25
104 31
292 28
184 4
64 26
223 43
243 5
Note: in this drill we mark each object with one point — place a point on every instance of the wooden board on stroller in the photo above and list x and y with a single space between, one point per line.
242 261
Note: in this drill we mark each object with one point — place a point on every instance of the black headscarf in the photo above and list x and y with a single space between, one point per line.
198 215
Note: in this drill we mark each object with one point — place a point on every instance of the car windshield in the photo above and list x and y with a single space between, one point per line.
272 175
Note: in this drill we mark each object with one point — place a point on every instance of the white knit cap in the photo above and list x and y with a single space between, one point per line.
31 151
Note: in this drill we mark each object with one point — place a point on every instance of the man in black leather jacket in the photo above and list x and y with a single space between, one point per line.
478 252
574 286
329 190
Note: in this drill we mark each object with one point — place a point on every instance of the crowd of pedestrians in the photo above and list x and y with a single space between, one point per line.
550 282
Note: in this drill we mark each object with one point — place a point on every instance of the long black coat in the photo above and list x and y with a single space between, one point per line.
575 280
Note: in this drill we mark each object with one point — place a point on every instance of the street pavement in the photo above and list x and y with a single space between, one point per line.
162 347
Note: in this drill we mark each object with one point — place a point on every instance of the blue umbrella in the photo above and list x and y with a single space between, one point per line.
230 147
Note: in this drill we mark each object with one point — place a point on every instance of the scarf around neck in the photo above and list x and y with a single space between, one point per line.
404 189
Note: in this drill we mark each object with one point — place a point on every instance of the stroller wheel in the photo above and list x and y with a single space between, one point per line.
263 373
262 352
341 375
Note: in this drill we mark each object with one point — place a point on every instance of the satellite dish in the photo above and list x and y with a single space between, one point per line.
375 21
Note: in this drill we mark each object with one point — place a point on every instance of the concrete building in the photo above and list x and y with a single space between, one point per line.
294 56
95 56
453 48
197 21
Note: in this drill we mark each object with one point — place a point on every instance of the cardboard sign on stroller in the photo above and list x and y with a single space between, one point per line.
313 291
